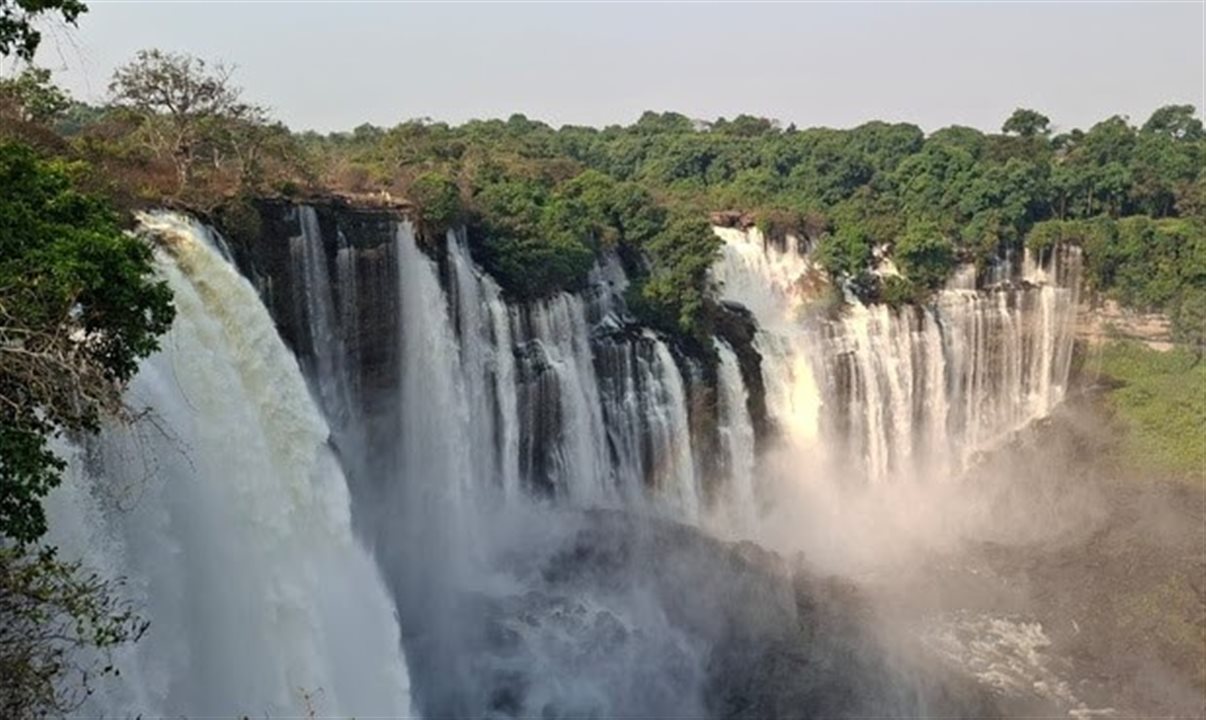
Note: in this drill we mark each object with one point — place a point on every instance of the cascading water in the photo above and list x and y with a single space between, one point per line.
229 516
737 437
503 418
909 393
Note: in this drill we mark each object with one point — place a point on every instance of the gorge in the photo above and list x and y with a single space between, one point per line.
545 492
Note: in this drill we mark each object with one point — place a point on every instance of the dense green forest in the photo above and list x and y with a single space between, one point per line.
541 201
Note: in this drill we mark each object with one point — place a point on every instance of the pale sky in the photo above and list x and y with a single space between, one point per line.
334 65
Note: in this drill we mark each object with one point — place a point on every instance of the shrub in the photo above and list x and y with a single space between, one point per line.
437 200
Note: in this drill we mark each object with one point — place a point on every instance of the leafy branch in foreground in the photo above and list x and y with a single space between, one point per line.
58 626
79 306
17 32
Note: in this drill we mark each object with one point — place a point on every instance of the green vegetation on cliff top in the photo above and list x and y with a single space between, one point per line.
540 201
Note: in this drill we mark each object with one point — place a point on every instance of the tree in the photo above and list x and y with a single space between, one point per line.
845 253
745 126
662 123
677 294
1027 123
925 255
17 18
438 200
50 611
182 101
32 97
79 306
1175 121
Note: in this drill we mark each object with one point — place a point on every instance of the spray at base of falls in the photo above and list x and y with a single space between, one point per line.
229 517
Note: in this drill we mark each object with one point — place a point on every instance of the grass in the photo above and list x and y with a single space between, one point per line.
1166 616
1161 407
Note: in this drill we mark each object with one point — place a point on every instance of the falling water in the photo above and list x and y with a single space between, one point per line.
228 515
507 411
914 392
559 404
314 298
737 437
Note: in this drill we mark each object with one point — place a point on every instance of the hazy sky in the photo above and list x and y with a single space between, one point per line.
334 65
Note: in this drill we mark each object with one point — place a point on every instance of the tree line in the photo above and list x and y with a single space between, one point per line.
542 201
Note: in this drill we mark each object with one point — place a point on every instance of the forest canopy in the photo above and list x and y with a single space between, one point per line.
541 202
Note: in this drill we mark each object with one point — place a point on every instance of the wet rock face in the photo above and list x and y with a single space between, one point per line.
358 247
735 325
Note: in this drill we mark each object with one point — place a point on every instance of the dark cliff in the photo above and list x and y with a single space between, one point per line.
335 257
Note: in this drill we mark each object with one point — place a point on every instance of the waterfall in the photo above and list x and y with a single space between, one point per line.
489 447
680 482
737 437
315 300
914 392
564 399
507 414
229 516
488 367
559 400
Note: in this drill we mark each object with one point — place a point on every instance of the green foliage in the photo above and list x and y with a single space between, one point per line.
529 240
899 291
438 201
17 18
1027 123
925 255
534 267
613 212
845 253
848 190
1189 319
986 234
32 97
78 308
541 200
1175 121
78 116
1049 233
1162 406
676 296
1142 262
